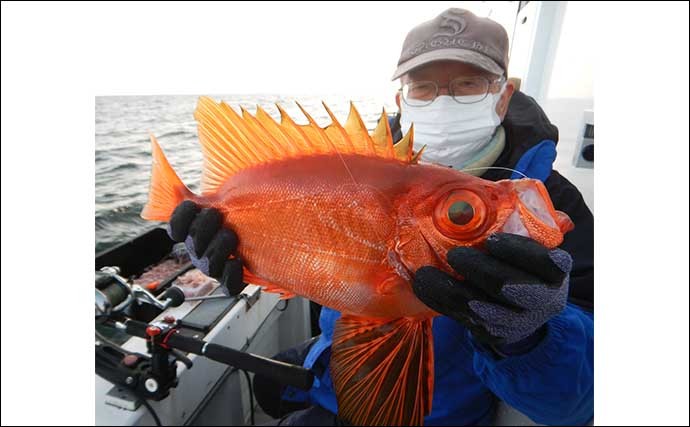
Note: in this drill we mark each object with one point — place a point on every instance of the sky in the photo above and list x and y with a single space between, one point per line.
287 48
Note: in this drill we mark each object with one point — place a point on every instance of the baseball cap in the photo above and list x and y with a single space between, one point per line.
457 35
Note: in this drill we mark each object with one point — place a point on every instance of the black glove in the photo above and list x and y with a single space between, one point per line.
209 245
507 294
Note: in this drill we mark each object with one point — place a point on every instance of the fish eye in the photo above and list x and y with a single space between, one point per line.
460 212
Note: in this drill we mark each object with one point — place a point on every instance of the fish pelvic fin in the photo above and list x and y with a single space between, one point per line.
383 370
166 189
232 142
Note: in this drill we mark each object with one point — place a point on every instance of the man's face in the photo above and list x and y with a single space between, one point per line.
443 72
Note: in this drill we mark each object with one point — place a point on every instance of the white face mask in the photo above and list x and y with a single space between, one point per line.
453 133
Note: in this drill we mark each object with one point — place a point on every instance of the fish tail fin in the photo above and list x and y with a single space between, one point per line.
383 370
166 190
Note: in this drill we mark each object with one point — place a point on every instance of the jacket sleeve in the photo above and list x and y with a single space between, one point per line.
579 242
554 382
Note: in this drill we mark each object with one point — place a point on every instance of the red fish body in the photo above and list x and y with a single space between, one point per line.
345 219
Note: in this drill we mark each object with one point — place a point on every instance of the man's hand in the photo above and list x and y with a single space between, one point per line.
507 294
209 245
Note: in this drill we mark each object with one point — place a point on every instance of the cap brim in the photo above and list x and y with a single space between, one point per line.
461 55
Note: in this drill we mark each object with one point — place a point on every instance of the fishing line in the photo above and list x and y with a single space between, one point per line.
347 168
333 120
150 408
342 160
494 167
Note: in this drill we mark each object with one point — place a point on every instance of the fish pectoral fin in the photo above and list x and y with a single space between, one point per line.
383 370
266 286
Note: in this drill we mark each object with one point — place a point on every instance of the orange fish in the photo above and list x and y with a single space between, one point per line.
345 218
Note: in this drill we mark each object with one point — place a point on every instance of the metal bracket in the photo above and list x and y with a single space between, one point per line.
122 398
250 298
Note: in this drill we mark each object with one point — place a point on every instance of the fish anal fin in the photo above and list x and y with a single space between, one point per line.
383 370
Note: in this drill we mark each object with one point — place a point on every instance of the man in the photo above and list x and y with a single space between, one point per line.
519 328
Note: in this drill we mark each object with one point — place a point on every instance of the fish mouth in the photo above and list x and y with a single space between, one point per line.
534 215
514 225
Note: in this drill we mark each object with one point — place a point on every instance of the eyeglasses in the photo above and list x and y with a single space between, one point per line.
464 90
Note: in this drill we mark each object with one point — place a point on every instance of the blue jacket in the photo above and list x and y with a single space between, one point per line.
552 383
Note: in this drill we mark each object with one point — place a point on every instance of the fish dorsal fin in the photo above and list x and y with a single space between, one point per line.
232 142
382 134
383 371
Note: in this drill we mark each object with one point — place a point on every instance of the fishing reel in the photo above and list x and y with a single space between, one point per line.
152 375
149 376
114 295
